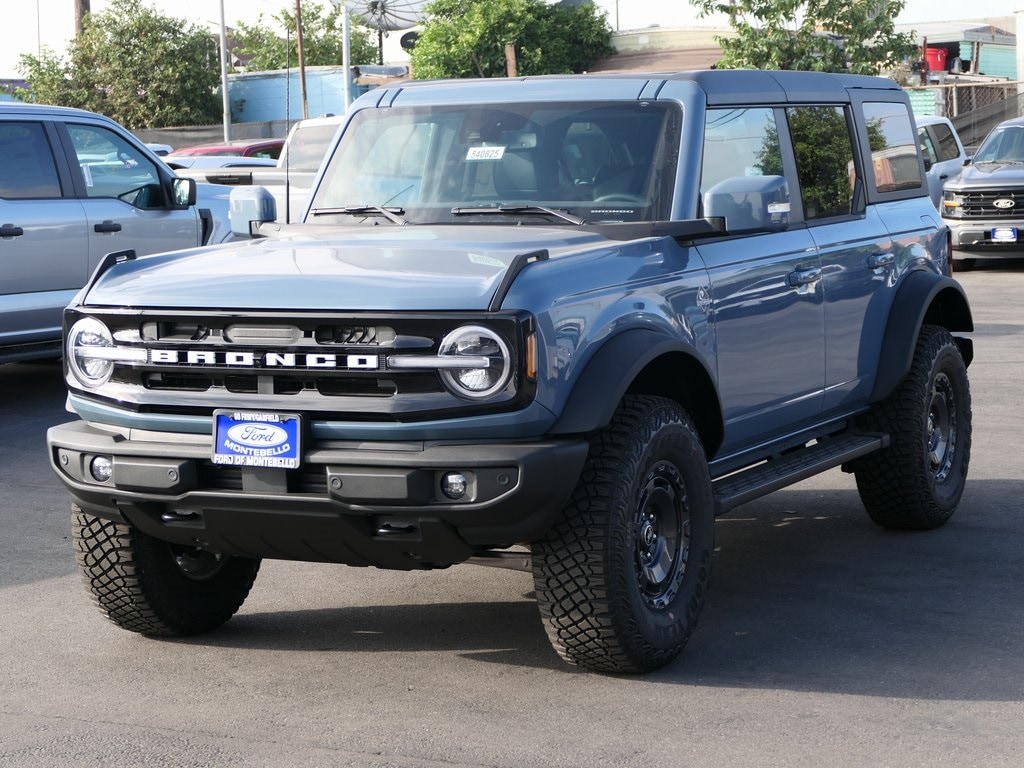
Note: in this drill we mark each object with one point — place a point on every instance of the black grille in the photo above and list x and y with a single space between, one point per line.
983 205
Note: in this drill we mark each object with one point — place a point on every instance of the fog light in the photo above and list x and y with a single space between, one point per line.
101 468
453 485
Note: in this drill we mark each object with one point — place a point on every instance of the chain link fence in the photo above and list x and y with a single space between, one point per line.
976 108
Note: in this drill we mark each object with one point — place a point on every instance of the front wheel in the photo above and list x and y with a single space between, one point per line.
153 587
622 576
917 482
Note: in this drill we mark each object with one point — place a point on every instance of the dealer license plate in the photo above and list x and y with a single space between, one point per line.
257 439
1004 235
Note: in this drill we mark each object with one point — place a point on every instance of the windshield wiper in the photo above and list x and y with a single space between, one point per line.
521 209
392 214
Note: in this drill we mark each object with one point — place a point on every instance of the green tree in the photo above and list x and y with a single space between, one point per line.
266 49
819 35
467 38
133 64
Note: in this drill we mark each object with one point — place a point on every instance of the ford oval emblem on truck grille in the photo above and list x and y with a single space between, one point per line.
1004 202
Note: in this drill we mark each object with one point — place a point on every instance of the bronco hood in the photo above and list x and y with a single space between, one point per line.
350 268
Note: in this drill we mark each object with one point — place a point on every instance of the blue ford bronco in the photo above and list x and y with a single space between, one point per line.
556 323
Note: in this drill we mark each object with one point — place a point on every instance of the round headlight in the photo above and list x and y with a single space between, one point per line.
89 345
488 362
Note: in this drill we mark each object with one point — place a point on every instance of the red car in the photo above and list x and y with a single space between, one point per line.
266 148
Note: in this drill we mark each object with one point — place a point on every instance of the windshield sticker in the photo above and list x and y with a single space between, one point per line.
485 153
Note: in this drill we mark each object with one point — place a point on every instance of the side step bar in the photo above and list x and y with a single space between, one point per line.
792 467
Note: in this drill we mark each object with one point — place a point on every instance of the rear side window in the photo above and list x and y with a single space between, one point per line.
893 142
824 160
28 169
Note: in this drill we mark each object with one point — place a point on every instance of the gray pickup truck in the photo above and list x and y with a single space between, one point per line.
556 323
75 186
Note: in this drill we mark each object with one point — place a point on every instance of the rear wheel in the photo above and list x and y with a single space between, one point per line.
621 578
153 587
917 482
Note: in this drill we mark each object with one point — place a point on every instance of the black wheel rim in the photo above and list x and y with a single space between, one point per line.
941 428
197 564
661 529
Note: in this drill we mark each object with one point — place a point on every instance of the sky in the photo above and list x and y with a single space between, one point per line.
29 25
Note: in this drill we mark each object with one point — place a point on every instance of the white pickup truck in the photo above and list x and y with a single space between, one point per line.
291 179
943 152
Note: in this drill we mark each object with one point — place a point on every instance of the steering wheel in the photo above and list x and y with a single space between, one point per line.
621 197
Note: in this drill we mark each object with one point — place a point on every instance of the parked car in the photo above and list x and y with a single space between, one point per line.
74 187
942 150
290 181
160 149
984 207
265 148
185 162
554 323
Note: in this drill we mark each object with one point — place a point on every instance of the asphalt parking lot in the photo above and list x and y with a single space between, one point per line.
825 640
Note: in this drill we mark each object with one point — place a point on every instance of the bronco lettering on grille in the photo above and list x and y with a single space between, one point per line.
204 358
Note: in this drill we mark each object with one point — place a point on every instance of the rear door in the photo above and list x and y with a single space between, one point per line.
124 193
43 236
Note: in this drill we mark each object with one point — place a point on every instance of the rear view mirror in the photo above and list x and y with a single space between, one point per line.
183 193
749 203
248 208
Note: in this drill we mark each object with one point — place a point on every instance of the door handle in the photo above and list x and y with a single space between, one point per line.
9 230
107 226
881 260
803 277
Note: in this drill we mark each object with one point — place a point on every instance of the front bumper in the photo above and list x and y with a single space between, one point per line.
350 502
974 237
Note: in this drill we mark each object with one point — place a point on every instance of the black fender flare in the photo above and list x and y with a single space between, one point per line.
923 297
609 374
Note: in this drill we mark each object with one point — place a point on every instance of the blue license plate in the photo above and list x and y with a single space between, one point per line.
1004 235
257 439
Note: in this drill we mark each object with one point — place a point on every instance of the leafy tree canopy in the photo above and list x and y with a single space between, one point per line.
141 68
267 49
467 38
820 35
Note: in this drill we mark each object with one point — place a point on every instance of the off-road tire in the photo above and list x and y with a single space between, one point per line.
155 588
643 509
916 483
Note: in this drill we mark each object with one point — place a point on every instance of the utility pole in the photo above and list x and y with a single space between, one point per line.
81 9
302 60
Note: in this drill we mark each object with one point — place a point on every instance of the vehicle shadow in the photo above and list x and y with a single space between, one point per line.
807 594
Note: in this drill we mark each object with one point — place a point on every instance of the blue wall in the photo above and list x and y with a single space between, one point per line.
268 96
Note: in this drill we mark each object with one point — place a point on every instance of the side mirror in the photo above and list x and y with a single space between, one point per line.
927 162
749 203
183 193
248 208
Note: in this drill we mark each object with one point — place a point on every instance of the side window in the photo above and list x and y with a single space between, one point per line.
824 160
28 169
742 176
948 149
739 142
893 142
111 167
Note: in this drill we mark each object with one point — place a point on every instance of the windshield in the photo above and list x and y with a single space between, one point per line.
487 163
1003 145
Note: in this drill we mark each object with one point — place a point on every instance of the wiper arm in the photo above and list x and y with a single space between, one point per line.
520 209
392 214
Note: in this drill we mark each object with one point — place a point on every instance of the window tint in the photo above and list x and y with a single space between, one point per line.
947 149
892 138
28 169
824 160
111 167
